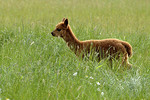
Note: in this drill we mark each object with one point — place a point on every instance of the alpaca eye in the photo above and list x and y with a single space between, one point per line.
58 29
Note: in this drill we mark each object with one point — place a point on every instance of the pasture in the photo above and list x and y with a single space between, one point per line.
34 65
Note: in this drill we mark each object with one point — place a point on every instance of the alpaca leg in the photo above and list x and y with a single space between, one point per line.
124 57
125 62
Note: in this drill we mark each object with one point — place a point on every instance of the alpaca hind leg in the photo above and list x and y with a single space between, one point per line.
125 62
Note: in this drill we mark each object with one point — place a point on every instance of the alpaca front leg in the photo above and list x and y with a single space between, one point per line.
125 62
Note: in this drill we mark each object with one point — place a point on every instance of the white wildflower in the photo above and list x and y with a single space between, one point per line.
91 78
98 83
98 89
7 99
102 93
75 74
90 83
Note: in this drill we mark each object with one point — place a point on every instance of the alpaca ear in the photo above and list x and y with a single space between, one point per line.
66 22
63 19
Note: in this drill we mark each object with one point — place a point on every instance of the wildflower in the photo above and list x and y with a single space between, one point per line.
91 78
7 99
32 43
75 74
98 89
98 83
102 93
86 76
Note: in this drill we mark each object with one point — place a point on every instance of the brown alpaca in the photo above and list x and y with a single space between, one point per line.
107 48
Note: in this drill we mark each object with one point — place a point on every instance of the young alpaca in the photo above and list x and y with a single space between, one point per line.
111 48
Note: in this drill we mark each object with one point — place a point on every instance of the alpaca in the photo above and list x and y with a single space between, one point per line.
112 48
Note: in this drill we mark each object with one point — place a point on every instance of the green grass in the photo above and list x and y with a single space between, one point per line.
36 66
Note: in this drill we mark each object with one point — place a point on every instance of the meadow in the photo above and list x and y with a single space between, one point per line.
34 65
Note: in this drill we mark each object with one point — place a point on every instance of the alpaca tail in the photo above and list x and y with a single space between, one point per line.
128 48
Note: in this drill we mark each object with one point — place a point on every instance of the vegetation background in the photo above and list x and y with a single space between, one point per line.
36 66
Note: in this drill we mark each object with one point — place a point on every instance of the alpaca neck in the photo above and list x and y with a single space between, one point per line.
71 39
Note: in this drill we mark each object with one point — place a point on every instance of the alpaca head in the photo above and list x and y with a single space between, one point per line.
60 30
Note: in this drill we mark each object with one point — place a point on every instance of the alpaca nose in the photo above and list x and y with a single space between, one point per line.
52 33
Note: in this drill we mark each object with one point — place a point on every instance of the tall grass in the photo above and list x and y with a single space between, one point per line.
36 66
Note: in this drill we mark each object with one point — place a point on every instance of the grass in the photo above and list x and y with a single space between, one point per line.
36 66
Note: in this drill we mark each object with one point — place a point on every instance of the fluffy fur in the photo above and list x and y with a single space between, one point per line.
106 48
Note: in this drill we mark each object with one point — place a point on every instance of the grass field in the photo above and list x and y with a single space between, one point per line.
36 66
